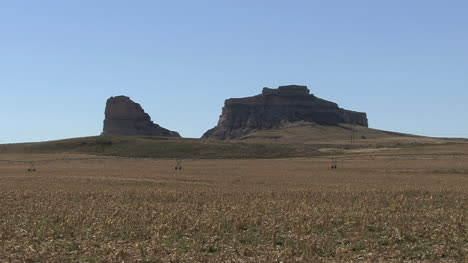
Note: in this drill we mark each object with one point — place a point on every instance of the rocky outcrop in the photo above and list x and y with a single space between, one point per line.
274 107
125 117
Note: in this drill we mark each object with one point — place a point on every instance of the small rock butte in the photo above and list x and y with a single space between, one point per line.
125 117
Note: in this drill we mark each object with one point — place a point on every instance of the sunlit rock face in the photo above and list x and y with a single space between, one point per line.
125 117
277 106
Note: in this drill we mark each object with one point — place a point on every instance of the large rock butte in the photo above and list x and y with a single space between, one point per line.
275 107
125 117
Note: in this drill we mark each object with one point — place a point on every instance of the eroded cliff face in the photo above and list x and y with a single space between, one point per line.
125 117
276 106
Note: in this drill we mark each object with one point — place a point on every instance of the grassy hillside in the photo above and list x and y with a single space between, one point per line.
344 134
306 132
292 140
161 147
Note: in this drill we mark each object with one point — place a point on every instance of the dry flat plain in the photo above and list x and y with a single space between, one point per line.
397 205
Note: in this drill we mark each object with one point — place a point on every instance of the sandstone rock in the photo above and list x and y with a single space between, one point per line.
125 117
276 106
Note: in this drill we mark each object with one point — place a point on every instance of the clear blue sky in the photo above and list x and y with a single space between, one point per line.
405 63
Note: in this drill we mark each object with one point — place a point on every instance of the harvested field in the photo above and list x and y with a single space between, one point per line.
383 208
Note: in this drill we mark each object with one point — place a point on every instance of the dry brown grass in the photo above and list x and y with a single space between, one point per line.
388 208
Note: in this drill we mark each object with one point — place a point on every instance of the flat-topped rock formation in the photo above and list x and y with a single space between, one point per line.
278 106
125 117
